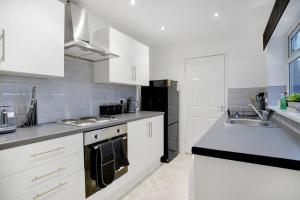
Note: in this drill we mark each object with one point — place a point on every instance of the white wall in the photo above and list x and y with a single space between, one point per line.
244 55
276 61
277 48
245 62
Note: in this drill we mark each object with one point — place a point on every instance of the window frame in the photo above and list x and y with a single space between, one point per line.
295 30
292 56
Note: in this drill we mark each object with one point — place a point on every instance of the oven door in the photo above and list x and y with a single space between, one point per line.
90 184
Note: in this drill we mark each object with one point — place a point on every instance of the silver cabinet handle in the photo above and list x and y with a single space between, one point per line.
151 128
48 174
39 195
135 73
132 71
46 152
2 37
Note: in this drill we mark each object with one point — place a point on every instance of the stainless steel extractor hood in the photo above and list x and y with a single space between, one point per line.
77 41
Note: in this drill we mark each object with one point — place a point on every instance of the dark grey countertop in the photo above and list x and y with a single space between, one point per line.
273 146
49 131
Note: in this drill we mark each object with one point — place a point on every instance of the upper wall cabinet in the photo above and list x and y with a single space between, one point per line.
32 38
132 65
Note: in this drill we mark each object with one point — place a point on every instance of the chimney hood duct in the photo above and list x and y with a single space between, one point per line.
77 41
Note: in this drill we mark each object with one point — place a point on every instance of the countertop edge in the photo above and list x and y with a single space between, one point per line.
118 122
76 130
248 158
27 141
290 115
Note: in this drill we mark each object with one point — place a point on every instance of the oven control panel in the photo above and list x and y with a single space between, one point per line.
104 134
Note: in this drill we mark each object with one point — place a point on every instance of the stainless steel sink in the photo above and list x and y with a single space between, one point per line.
249 122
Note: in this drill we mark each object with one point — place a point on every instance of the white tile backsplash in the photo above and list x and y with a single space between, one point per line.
75 95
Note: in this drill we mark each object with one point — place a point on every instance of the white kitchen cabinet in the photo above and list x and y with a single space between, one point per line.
42 169
19 184
156 137
141 64
132 65
145 143
68 188
33 41
215 178
28 156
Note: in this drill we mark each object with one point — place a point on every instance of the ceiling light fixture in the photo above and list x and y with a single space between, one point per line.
162 28
216 14
132 2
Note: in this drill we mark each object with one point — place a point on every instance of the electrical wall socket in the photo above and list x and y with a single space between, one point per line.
123 99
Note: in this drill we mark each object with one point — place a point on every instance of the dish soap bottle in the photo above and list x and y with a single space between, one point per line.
283 103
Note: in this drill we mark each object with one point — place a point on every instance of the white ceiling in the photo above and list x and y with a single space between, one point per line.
184 19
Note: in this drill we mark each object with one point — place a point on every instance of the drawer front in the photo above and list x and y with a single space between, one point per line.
24 157
69 188
21 183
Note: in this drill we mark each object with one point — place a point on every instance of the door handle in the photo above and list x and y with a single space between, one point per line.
2 37
221 108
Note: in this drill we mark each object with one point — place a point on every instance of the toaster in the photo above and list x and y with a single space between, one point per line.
7 119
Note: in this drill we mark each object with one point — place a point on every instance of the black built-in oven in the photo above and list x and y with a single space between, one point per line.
94 139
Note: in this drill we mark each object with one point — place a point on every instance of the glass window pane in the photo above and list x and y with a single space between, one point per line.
295 76
295 42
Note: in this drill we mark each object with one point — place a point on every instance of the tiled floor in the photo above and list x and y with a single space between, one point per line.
169 182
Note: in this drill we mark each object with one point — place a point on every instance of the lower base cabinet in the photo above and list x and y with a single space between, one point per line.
47 170
63 178
221 179
145 143
69 188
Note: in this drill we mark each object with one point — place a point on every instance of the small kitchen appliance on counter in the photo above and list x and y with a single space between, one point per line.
110 109
132 105
7 119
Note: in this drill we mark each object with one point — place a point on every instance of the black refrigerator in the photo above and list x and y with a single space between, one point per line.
162 95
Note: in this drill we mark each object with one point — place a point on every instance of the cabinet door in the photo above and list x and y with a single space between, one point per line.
138 146
141 63
34 37
71 187
121 68
157 138
21 183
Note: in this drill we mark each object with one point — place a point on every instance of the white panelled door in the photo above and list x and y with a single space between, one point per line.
205 97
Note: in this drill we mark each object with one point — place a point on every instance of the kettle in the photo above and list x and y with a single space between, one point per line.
132 105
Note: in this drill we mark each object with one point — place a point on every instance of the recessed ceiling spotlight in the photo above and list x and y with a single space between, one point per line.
216 14
162 28
132 2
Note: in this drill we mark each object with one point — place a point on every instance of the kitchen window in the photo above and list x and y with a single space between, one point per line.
294 60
